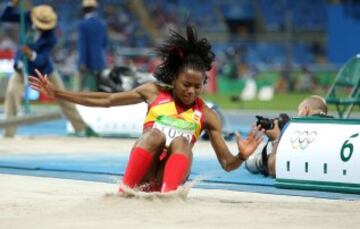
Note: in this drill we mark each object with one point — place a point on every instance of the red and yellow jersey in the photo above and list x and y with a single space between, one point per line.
165 110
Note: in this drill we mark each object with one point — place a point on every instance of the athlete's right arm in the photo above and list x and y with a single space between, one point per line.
143 93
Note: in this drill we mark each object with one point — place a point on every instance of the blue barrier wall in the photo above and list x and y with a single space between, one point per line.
343 33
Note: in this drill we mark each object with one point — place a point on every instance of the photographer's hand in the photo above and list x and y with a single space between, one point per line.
274 133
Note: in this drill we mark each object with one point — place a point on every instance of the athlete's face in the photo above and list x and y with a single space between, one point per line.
188 85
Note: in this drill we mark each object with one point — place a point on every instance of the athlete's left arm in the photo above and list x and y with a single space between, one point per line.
226 159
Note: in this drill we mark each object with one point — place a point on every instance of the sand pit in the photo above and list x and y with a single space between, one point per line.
34 202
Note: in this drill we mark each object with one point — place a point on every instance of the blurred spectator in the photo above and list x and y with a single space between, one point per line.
91 46
40 22
286 81
6 43
230 68
306 81
7 48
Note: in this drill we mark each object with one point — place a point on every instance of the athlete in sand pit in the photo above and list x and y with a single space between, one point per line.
161 159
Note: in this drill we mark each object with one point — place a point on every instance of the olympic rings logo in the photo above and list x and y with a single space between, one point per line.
302 139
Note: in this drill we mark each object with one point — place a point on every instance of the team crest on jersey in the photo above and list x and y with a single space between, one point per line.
197 116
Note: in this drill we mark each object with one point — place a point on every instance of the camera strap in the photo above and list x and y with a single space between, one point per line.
264 158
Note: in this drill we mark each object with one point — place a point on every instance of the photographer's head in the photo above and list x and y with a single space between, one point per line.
313 105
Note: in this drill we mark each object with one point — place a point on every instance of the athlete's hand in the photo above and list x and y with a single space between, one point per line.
249 145
42 84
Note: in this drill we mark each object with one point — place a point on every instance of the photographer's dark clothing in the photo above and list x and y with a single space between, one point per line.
264 158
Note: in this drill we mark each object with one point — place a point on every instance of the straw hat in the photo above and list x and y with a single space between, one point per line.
43 17
89 3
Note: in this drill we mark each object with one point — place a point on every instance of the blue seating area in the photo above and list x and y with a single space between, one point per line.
178 12
210 16
115 13
273 13
309 15
269 53
237 9
306 14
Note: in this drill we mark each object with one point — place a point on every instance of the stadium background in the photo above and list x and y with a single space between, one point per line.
294 46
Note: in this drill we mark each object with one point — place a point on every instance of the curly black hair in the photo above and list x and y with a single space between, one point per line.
178 52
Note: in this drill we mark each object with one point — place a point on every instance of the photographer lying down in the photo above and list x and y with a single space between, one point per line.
263 160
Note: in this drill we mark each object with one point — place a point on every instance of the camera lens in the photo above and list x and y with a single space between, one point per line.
265 123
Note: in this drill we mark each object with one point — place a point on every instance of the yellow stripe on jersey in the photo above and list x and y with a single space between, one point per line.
162 109
169 109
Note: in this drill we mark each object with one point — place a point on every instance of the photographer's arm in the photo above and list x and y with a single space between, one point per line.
274 136
226 159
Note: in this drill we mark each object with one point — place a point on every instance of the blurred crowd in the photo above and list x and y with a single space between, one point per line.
239 55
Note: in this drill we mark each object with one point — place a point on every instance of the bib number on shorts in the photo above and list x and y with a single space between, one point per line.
173 128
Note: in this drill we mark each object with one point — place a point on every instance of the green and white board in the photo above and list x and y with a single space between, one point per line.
320 154
119 121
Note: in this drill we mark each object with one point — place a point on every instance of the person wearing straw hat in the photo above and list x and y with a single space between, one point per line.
40 22
92 42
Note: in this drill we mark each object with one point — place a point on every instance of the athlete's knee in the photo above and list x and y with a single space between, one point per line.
180 140
154 138
157 136
180 143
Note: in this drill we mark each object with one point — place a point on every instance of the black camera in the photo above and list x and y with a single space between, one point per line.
268 123
265 123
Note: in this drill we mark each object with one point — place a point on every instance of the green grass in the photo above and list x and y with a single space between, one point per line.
288 101
280 102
